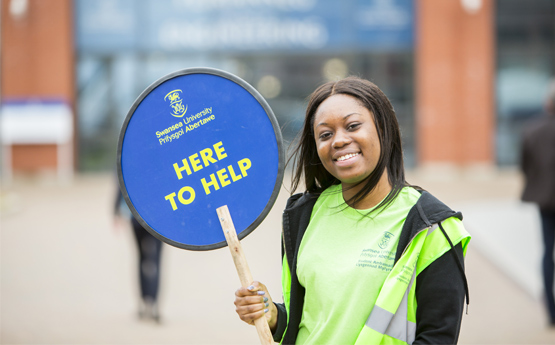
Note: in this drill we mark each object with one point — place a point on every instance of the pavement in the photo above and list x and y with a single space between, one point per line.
68 276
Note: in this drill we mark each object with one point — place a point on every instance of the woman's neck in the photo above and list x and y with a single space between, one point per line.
373 198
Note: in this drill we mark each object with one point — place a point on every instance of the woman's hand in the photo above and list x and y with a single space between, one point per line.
253 302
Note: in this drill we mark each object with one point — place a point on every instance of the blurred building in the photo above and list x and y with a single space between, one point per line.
463 75
37 88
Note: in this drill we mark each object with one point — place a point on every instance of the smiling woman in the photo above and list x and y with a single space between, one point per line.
360 245
348 145
369 113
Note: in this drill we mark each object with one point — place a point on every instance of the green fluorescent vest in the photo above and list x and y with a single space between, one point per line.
393 318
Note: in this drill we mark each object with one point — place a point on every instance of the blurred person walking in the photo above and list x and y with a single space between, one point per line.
538 165
149 249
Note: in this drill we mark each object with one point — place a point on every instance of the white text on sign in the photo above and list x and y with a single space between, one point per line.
174 132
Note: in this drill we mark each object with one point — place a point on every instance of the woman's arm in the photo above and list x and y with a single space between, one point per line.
440 296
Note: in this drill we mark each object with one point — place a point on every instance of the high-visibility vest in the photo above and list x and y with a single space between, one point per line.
393 318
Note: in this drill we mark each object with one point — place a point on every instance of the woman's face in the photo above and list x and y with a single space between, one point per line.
346 139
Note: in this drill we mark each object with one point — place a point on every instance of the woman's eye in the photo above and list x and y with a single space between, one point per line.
324 136
353 126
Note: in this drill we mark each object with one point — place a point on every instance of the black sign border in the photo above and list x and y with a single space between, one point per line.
277 132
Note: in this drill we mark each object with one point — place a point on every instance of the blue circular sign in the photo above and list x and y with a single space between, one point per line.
194 141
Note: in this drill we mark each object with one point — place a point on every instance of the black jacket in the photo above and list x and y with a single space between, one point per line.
440 288
537 162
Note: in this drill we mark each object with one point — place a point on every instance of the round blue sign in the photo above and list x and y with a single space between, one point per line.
194 141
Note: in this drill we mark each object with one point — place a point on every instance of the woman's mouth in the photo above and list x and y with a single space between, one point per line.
347 156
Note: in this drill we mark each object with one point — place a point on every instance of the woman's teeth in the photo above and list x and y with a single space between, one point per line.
350 155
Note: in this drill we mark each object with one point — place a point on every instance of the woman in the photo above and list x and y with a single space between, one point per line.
361 248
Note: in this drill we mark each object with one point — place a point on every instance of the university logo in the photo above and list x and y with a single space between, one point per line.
385 239
176 103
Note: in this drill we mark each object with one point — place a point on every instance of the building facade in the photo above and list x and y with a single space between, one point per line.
463 75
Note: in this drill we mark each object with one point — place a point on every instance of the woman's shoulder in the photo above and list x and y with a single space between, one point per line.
301 200
406 198
410 193
308 200
429 208
331 196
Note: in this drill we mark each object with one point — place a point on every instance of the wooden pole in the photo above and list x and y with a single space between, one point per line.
242 268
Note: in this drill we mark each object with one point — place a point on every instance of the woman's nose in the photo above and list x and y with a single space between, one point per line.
341 139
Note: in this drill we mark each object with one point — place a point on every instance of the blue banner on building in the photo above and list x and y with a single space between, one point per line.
243 25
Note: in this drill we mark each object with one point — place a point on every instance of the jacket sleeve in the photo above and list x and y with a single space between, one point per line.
281 322
440 296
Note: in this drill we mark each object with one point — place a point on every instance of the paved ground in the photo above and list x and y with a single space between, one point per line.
68 278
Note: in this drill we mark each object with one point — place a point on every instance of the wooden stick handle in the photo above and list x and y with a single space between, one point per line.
242 268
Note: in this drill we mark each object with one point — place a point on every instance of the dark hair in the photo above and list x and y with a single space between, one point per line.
305 155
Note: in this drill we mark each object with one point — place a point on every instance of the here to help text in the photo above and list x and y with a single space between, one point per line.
197 161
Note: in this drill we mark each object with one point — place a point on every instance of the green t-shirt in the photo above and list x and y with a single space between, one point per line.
343 261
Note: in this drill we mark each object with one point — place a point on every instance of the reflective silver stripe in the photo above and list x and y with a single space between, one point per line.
379 319
394 325
432 229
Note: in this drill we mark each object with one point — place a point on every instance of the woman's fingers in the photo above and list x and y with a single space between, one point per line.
251 312
241 292
251 302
